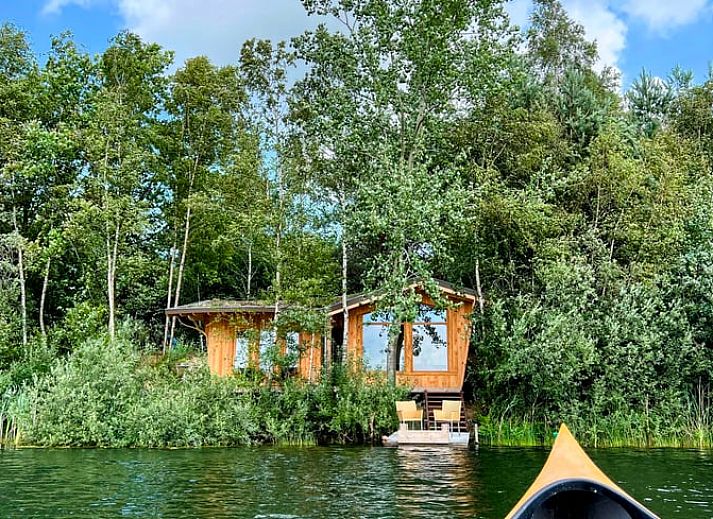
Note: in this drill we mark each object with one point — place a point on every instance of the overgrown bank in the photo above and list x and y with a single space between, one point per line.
106 395
622 362
434 140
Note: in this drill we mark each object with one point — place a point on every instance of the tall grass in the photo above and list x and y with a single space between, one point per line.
106 395
686 430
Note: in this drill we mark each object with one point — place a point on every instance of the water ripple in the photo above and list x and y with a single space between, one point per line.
326 482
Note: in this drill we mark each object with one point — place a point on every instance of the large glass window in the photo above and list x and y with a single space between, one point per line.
292 348
430 340
242 351
267 349
375 339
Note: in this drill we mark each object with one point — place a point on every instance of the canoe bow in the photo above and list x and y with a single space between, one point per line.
568 469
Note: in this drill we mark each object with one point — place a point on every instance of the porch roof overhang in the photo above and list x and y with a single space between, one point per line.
357 300
222 306
227 306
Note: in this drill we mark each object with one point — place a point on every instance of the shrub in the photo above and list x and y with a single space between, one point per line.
103 394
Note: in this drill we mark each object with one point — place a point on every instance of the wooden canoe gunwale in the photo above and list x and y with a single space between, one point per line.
634 509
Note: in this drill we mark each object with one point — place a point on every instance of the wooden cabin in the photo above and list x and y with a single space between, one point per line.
239 335
433 350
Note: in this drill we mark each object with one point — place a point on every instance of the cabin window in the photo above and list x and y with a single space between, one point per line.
292 349
242 351
429 340
375 341
267 349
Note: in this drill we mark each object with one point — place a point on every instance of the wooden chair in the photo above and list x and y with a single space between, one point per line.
449 412
408 412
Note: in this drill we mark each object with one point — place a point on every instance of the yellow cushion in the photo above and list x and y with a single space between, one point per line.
450 411
407 411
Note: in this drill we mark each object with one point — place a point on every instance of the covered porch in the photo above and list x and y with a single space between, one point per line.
242 336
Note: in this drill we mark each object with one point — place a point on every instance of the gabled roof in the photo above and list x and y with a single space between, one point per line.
218 306
357 300
215 306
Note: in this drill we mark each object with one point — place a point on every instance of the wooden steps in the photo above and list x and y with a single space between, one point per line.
430 401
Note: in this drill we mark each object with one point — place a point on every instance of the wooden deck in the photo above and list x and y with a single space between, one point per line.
405 436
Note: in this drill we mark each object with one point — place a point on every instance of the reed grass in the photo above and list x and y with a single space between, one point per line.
520 433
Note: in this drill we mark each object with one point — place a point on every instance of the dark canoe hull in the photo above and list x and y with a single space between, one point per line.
581 498
570 485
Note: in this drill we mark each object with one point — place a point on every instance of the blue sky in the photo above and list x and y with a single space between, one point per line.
631 34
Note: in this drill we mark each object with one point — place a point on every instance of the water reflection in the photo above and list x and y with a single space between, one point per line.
435 477
358 482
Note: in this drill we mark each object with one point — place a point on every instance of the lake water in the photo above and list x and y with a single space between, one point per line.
320 482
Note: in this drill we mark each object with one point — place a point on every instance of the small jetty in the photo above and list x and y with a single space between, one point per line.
405 436
440 420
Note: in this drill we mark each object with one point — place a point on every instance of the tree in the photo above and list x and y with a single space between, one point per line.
649 100
18 82
54 150
555 43
116 192
205 109
387 88
264 71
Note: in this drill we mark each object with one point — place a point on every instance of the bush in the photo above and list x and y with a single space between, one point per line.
625 366
104 395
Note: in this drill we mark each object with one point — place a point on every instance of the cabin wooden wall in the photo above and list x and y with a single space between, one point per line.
221 335
220 343
310 364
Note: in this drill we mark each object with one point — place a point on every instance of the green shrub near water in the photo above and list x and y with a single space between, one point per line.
106 394
628 366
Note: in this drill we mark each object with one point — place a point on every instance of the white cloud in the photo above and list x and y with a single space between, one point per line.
602 25
215 28
664 15
56 6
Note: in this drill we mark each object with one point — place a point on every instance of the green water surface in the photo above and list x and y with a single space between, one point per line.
321 482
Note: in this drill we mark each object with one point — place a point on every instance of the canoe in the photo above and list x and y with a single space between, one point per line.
570 485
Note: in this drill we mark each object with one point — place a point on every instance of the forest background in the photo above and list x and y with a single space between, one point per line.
421 139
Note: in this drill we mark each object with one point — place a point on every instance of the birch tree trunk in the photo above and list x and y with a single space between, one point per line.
481 302
170 292
345 309
186 232
393 353
110 288
181 266
250 270
43 296
345 268
23 282
112 257
280 215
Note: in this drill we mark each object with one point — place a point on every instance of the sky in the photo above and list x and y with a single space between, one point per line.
631 35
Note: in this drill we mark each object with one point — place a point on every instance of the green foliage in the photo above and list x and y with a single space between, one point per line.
106 394
556 43
618 367
354 405
425 139
649 101
82 321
